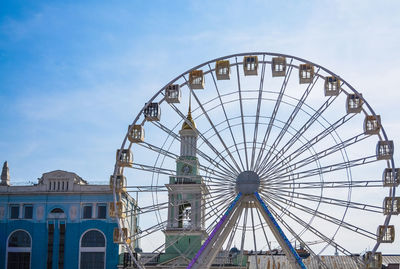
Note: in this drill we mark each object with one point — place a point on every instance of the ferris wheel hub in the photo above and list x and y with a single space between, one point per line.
247 182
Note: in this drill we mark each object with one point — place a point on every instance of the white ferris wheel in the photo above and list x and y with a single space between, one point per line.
255 151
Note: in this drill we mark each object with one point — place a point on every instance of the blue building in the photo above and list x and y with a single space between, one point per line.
61 222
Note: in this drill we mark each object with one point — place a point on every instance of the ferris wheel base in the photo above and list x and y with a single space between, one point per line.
208 251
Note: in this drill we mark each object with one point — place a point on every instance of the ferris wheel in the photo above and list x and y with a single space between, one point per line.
250 149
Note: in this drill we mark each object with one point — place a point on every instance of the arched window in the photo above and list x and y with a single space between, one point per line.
57 210
19 247
57 213
92 250
185 215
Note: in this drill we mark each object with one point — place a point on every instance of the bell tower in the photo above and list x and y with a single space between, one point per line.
185 229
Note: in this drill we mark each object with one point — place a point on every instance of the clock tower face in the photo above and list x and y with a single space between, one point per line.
186 169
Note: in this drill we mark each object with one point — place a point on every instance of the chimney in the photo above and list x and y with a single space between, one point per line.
5 175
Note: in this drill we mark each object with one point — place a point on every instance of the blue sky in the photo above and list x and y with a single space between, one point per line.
74 74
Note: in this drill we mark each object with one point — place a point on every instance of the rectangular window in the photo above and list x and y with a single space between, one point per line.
92 260
50 241
61 246
87 211
18 260
101 211
28 211
14 211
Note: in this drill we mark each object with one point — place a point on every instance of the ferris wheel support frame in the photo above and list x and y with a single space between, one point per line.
208 251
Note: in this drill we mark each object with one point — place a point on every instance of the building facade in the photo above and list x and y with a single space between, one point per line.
60 222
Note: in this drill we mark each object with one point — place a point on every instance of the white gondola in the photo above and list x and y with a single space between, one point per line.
173 93
384 150
250 65
386 236
118 237
306 73
152 112
278 66
125 159
390 180
332 86
136 133
354 103
372 124
120 211
375 261
196 80
120 183
223 70
387 206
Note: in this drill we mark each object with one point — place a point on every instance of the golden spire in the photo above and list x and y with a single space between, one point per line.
186 126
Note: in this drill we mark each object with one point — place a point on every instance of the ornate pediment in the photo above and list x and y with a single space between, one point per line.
60 175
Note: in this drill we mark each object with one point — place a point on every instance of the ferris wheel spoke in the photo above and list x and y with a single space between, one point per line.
150 230
310 159
153 169
323 170
219 195
274 113
333 149
330 201
226 117
326 184
148 209
307 226
288 122
154 188
241 113
260 92
303 129
213 127
217 204
326 217
220 188
206 157
309 144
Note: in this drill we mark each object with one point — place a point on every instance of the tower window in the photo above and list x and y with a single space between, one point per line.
185 215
